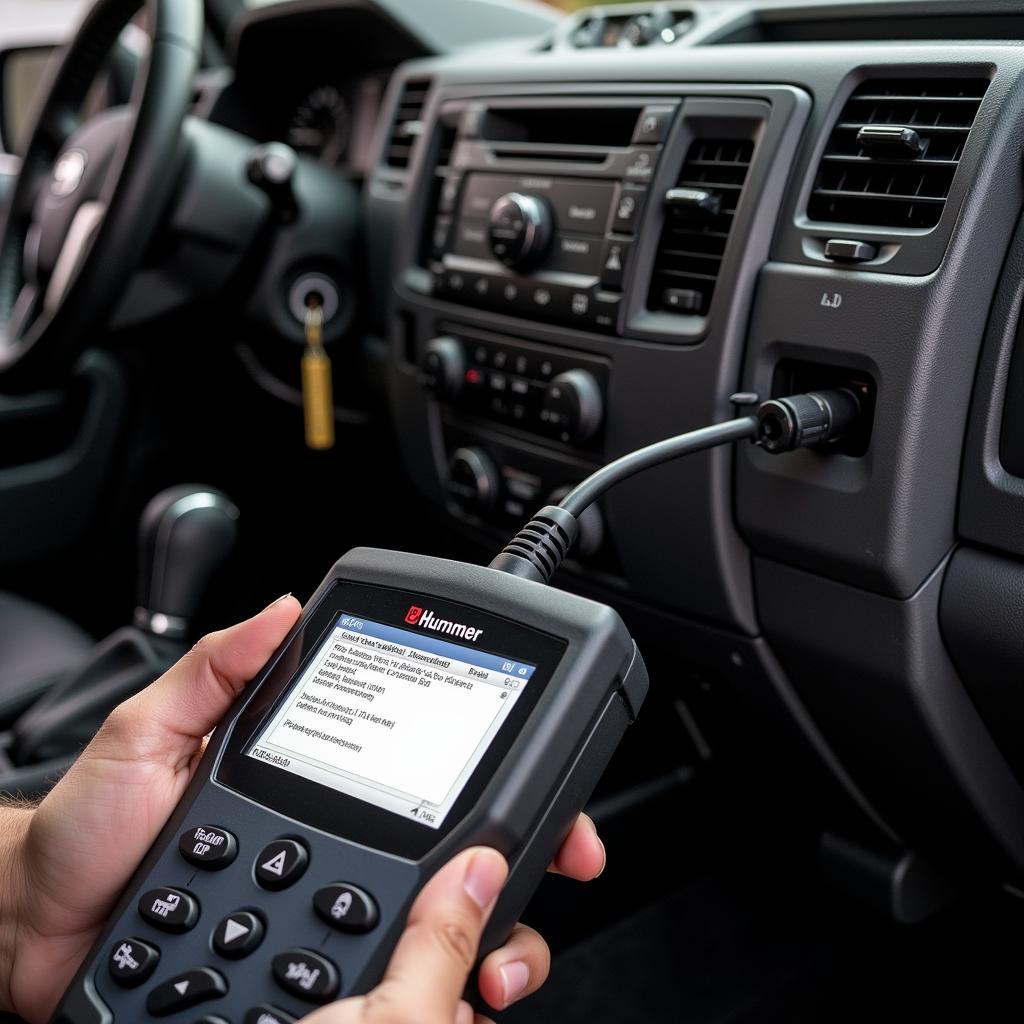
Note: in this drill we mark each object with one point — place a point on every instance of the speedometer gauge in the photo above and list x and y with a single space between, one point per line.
320 125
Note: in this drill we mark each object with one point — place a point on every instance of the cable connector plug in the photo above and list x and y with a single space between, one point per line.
811 420
540 547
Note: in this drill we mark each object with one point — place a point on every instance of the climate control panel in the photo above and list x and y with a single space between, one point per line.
558 395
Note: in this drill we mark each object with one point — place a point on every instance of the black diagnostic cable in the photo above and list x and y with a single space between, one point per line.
812 420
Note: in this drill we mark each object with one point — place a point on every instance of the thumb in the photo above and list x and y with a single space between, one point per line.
432 960
191 697
195 694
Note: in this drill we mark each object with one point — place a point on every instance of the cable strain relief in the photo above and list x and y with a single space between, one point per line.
540 547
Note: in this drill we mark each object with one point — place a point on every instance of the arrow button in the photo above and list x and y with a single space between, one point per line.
281 864
185 991
238 935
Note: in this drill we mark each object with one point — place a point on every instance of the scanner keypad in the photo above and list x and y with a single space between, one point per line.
250 943
302 973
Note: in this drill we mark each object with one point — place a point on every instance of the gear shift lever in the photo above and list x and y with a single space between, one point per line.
186 533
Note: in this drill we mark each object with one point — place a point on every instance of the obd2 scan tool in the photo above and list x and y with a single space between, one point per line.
418 707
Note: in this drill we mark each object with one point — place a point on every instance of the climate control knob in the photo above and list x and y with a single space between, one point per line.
521 229
573 408
443 367
473 480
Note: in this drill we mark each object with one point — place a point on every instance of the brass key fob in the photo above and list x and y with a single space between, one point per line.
317 391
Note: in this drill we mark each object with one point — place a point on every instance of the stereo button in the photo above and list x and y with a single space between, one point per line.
473 239
628 208
614 268
606 311
576 254
482 191
449 193
640 168
653 124
580 206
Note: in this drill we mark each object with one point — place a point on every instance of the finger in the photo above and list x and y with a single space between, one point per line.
516 970
433 958
582 856
191 697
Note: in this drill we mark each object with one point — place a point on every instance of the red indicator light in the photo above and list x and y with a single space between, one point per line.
472 376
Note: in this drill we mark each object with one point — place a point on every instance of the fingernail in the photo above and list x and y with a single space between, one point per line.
485 875
604 849
464 1013
514 979
273 604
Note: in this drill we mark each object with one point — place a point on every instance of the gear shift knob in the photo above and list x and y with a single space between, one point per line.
186 533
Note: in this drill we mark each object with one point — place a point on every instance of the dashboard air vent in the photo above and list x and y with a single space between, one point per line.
407 123
658 26
698 220
891 158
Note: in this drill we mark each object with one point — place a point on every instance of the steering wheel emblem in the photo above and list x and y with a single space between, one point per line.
68 173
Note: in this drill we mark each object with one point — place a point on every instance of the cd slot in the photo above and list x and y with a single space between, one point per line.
560 126
528 154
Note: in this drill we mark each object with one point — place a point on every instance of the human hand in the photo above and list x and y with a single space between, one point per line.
430 966
68 860
64 864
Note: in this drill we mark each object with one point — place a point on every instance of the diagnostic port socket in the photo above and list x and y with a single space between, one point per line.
794 376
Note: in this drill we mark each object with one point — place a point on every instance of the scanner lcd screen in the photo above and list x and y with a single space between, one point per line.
397 718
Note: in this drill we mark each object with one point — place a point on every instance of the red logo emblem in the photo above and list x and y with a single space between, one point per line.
412 616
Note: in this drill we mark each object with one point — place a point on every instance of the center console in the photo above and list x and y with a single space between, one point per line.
564 297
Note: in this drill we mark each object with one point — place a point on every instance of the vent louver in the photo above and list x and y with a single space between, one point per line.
693 241
407 123
898 182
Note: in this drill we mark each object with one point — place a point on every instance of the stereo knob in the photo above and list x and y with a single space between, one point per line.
521 228
473 480
573 407
443 367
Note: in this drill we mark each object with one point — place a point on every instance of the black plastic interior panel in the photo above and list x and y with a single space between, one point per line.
875 677
992 490
768 27
883 521
982 616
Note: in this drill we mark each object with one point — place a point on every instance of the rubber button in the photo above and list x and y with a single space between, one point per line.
265 1014
170 910
132 961
184 991
208 847
628 208
238 935
614 268
346 907
281 863
210 1020
307 975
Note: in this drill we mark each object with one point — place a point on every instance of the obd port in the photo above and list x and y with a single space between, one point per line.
794 376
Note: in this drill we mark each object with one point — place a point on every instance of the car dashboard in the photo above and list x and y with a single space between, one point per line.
592 243
578 236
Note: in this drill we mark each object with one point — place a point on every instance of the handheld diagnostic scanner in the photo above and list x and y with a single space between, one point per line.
418 707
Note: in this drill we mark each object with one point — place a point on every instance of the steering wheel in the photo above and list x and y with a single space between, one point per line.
89 197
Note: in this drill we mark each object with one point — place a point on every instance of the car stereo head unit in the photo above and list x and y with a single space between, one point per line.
539 209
